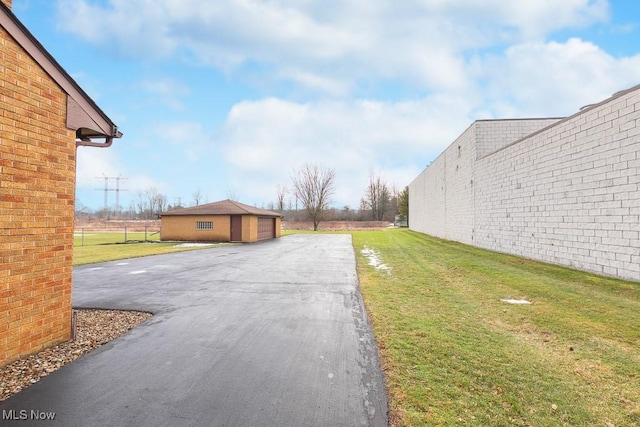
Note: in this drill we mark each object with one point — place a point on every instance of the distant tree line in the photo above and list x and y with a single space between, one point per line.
313 186
149 204
309 198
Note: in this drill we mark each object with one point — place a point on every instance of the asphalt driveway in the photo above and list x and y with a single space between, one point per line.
272 333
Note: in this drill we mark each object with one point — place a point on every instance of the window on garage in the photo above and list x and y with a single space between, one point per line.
204 225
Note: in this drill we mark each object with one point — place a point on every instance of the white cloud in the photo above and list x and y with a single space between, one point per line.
547 79
266 140
459 60
94 164
318 43
165 91
189 139
530 19
316 82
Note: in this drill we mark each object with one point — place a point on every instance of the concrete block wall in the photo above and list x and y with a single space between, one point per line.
427 200
569 194
460 159
37 184
492 135
441 198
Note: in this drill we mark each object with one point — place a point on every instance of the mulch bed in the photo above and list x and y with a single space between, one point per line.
93 329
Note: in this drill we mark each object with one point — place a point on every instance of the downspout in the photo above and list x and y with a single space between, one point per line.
87 142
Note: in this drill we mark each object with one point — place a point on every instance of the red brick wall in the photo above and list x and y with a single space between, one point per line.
37 184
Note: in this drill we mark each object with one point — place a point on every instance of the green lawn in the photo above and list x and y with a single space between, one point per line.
455 354
92 238
110 246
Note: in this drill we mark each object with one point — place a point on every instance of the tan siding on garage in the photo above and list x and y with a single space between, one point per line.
249 228
184 228
180 224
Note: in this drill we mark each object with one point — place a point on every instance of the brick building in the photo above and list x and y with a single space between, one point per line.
564 191
223 221
44 116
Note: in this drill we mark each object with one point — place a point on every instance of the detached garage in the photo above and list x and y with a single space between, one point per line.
224 221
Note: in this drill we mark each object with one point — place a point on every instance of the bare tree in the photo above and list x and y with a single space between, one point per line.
197 197
281 193
314 186
232 196
151 203
377 197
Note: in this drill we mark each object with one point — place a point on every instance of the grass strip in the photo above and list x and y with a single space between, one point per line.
110 246
455 354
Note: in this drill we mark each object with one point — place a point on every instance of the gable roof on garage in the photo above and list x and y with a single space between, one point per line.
223 207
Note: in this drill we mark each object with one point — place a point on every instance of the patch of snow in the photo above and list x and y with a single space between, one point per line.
375 260
191 245
516 301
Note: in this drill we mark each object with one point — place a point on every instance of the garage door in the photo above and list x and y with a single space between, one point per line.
266 228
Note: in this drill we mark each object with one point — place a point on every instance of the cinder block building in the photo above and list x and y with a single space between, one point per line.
44 116
223 221
560 190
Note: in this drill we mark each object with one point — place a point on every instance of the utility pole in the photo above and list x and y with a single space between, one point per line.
106 190
118 190
106 193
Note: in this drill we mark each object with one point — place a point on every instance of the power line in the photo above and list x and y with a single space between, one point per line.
106 189
118 190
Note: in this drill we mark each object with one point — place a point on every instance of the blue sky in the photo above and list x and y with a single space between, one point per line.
228 97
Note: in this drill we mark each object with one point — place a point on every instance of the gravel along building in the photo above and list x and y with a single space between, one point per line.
44 116
564 191
224 221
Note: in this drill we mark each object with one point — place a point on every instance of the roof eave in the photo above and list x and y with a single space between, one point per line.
83 114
